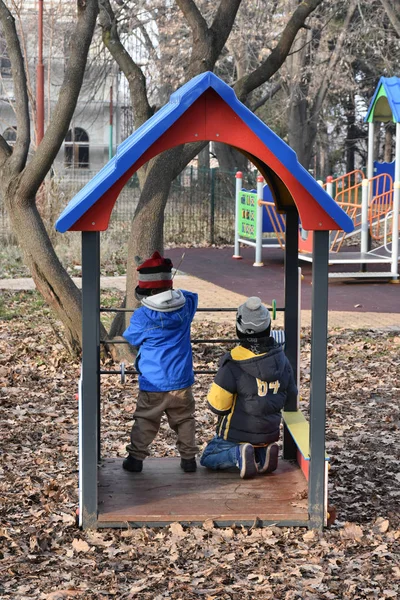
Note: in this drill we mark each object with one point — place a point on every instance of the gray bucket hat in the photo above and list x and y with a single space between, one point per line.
253 316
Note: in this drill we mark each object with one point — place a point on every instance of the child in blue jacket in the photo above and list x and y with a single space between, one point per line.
253 383
160 329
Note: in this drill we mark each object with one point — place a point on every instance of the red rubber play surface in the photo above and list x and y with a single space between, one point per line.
218 267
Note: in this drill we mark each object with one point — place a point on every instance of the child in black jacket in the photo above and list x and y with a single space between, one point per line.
252 386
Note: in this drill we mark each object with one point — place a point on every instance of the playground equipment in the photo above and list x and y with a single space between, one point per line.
255 215
207 109
372 202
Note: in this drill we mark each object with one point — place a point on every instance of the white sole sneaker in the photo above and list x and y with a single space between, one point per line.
271 459
248 467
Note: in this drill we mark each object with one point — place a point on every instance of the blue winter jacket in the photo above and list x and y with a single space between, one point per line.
164 360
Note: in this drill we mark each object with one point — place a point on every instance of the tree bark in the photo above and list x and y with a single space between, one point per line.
230 159
203 158
393 12
351 136
147 226
388 152
50 277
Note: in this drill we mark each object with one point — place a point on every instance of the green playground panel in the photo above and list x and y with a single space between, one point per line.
247 222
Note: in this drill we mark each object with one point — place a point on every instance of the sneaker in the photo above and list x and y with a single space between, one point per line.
247 461
188 465
267 458
132 464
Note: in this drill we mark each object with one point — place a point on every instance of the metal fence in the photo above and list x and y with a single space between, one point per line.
200 208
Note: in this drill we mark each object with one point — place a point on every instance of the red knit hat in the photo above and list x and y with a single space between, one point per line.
154 274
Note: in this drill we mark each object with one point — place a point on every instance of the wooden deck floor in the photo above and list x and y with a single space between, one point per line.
162 493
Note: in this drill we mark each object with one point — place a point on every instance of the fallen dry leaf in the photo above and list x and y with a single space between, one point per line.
381 525
80 545
351 531
177 530
63 594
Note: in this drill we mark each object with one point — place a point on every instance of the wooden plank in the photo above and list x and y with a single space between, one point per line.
299 429
164 493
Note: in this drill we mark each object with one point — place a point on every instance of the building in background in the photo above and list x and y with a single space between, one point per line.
88 143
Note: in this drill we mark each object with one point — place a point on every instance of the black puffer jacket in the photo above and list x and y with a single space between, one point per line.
249 392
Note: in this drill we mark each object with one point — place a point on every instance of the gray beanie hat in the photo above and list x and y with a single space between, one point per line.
253 316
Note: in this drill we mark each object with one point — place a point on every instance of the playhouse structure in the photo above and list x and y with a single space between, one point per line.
207 109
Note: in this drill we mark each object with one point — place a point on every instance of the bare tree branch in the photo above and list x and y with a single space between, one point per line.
268 96
21 147
133 73
328 73
195 20
392 14
5 150
278 55
42 160
223 21
147 39
208 42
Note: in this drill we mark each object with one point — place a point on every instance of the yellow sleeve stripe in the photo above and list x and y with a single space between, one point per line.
219 398
229 417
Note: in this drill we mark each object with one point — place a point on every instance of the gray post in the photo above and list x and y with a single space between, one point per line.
212 206
319 330
90 390
365 184
259 223
239 182
396 207
291 312
370 163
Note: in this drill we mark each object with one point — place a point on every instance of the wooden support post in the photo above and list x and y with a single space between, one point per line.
89 426
291 313
319 330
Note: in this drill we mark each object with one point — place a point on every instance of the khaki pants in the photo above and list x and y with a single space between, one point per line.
179 406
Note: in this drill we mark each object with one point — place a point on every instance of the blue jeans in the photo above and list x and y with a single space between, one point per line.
220 454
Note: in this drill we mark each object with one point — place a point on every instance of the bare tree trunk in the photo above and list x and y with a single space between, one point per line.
322 154
50 277
351 137
21 176
147 233
303 115
204 158
230 159
388 152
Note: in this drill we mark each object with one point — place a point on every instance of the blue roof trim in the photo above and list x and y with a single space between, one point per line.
392 89
136 144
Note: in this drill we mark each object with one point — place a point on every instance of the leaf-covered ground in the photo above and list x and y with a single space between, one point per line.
44 556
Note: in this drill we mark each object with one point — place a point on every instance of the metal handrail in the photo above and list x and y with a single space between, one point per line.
353 210
348 176
123 310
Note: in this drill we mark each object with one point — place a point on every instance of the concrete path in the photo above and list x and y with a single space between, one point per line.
214 296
